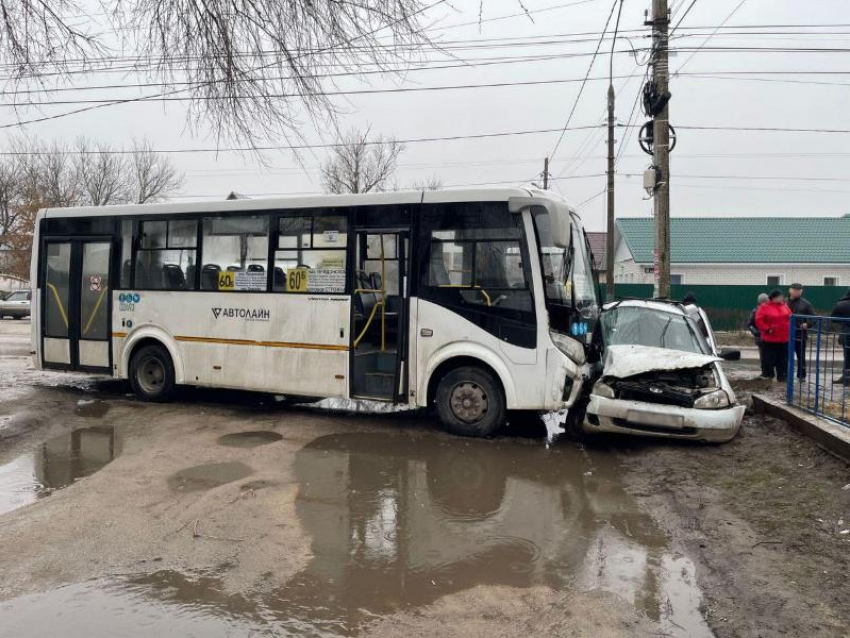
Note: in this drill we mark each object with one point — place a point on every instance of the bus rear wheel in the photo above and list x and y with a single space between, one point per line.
470 402
152 374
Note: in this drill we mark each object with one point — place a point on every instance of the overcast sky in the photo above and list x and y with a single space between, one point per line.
712 171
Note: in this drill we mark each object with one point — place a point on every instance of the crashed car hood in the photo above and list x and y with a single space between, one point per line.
627 361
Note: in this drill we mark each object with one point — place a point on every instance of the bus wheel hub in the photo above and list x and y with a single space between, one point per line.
469 402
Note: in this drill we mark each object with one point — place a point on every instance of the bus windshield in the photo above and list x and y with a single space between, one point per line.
567 272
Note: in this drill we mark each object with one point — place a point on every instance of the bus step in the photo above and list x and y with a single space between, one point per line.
379 384
377 361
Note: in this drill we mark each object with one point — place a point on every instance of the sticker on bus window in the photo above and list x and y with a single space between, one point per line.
327 280
296 280
331 236
237 280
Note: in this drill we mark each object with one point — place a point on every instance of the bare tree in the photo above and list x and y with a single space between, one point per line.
153 176
360 165
39 175
247 67
104 174
433 183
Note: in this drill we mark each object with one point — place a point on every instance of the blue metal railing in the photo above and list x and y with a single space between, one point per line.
819 366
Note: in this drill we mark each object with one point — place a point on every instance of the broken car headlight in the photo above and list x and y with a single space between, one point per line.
713 400
569 346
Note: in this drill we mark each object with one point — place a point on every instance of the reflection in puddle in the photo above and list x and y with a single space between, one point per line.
208 476
396 522
93 408
54 465
249 439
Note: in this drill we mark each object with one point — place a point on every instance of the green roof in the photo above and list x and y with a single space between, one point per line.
778 240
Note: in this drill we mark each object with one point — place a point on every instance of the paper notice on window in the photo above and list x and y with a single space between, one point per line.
331 236
230 280
326 280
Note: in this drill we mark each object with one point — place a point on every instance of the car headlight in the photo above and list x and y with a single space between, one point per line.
713 400
569 346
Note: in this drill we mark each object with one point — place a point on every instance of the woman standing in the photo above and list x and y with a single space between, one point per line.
773 320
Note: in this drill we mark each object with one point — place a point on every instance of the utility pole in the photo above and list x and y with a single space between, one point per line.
609 239
546 174
661 148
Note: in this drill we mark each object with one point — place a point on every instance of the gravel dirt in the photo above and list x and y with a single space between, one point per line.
232 514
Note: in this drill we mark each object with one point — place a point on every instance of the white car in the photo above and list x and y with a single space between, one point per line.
16 305
659 374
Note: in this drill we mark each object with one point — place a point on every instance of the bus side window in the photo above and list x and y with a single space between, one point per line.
167 253
310 255
235 245
474 257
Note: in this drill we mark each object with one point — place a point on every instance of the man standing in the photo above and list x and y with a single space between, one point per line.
753 328
773 321
799 305
842 311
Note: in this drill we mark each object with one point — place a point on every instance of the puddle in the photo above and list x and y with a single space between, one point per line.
249 439
93 408
208 476
54 465
396 522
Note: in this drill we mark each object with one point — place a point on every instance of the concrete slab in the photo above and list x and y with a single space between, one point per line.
832 437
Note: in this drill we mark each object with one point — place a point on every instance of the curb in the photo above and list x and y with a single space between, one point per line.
830 436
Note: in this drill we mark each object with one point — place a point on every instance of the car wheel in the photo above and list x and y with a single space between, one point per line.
470 402
152 374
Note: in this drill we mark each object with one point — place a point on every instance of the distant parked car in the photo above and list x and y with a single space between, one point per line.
16 305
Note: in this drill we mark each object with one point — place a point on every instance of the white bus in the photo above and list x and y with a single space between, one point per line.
477 302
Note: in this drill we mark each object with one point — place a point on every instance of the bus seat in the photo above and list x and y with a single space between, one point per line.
364 301
126 271
209 276
233 269
256 268
375 280
173 277
279 279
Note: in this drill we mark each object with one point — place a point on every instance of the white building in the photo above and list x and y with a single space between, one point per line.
769 251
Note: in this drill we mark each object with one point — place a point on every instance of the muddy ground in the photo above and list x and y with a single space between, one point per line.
232 514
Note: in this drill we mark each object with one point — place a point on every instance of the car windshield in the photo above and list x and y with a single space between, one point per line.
630 325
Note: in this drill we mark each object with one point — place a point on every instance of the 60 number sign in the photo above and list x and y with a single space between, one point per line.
296 280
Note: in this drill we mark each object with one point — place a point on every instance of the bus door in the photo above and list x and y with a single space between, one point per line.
379 312
75 304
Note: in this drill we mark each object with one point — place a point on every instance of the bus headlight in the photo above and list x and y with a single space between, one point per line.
712 400
569 346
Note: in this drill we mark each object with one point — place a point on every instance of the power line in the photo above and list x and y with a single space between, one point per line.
684 15
729 17
581 88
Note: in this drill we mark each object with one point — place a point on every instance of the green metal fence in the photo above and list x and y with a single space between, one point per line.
729 307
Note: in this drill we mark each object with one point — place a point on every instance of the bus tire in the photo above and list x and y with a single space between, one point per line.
470 402
152 374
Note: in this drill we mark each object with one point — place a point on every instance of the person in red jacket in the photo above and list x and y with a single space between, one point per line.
773 319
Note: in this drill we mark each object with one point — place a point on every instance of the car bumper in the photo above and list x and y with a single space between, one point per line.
666 421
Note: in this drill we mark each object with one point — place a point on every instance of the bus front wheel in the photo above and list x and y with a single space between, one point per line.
470 402
152 373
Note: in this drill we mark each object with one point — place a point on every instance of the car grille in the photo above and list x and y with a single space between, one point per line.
652 393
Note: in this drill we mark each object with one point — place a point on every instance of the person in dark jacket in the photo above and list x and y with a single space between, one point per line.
799 305
773 320
753 328
842 311
689 299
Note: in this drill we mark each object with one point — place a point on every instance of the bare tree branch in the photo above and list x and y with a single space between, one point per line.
152 176
360 165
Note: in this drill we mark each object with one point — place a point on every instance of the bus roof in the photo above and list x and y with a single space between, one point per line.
301 201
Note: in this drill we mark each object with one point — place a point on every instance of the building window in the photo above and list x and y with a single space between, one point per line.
676 280
775 280
310 255
165 259
235 253
648 270
831 281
